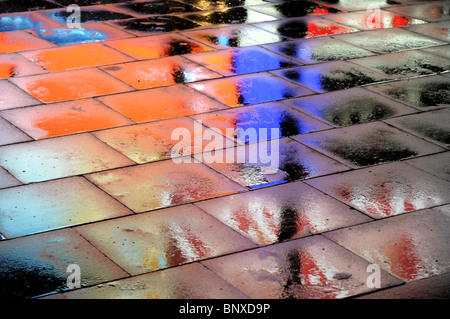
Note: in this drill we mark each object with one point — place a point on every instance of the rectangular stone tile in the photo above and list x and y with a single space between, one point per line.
161 103
163 239
233 36
304 28
88 32
39 264
373 20
11 96
318 50
7 180
51 205
221 4
155 24
406 64
24 21
282 212
431 125
157 46
90 14
76 57
161 184
424 93
437 30
306 268
260 122
160 72
435 164
390 40
332 76
229 16
412 246
70 85
16 41
349 107
241 61
59 157
146 8
442 50
268 163
14 65
250 89
192 281
65 118
368 144
160 140
9 134
385 190
292 9
427 11
358 5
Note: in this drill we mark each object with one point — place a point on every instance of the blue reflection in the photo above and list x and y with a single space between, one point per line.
267 184
260 90
22 22
223 40
65 36
309 77
251 61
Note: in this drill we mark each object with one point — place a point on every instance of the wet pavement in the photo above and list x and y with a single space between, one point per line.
236 149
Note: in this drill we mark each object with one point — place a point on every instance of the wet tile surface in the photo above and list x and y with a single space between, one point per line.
162 239
424 93
41 207
250 89
162 184
37 265
435 164
270 163
241 61
281 213
305 28
404 251
431 125
61 157
161 103
70 85
318 50
386 190
390 40
406 64
191 281
160 72
349 107
224 149
157 46
332 76
297 270
64 118
75 57
370 144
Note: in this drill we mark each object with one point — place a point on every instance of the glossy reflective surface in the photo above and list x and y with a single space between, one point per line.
37 265
280 213
404 251
292 9
318 50
156 24
242 61
309 268
161 72
332 76
354 106
161 103
20 40
162 184
252 89
230 16
378 143
162 239
12 65
386 190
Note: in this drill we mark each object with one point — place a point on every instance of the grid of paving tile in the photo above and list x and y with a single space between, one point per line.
91 173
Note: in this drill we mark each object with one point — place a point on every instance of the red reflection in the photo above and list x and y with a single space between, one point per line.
315 30
401 21
184 246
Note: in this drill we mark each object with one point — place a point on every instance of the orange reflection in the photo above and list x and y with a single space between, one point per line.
18 41
76 56
64 86
7 70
